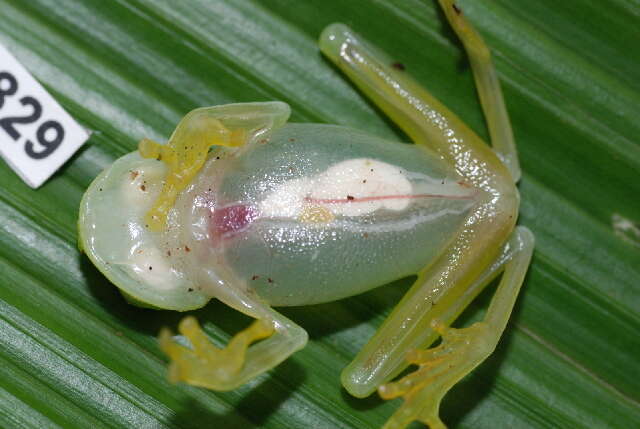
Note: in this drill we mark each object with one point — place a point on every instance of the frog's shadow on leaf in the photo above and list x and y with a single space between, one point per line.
467 394
256 404
319 320
107 296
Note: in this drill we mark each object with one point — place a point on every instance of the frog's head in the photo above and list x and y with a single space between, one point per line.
132 216
148 266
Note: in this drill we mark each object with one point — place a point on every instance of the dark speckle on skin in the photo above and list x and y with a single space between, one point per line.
398 66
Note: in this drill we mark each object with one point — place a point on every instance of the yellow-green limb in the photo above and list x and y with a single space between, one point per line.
461 350
488 87
229 125
431 124
271 339
206 365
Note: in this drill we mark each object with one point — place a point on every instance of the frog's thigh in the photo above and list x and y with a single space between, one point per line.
224 369
440 293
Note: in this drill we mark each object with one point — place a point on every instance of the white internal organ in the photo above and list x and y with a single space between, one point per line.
140 188
152 268
349 188
287 199
361 186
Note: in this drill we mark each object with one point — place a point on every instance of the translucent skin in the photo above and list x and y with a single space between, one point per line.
295 260
299 214
229 215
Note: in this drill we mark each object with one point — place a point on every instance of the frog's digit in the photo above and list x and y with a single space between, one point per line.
229 125
206 365
226 369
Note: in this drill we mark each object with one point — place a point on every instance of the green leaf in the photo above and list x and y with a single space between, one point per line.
73 354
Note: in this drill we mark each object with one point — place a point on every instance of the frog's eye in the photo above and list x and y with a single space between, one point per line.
147 266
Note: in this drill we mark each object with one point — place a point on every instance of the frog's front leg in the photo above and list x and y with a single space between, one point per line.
188 146
463 349
203 364
225 369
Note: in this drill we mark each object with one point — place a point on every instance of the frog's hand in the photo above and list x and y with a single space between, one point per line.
461 350
207 366
227 125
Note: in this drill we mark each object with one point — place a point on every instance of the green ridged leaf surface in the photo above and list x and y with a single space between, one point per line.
73 354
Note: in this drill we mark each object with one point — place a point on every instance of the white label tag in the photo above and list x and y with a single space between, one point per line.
36 135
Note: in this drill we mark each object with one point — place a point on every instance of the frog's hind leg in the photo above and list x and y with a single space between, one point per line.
439 286
447 285
488 86
206 365
463 349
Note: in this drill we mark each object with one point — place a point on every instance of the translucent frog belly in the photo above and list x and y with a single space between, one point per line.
319 213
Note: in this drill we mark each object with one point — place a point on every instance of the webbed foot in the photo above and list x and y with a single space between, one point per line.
441 367
206 365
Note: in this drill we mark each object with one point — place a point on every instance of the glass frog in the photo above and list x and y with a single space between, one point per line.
244 207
